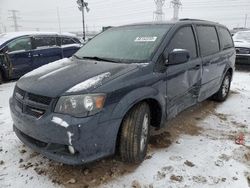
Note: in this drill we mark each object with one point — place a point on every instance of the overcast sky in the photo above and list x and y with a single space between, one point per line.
42 15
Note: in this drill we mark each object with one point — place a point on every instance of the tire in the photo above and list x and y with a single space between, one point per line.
134 134
224 90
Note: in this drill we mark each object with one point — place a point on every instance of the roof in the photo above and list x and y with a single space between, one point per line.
5 37
183 20
22 33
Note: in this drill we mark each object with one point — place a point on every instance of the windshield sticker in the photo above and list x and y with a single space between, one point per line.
145 39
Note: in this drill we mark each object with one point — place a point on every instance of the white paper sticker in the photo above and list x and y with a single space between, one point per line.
145 39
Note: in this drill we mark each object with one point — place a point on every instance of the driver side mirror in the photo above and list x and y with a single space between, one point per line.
178 56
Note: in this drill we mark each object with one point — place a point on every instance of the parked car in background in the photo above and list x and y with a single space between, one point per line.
21 52
105 97
242 46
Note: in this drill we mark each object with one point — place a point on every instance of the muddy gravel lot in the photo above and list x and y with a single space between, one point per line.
196 149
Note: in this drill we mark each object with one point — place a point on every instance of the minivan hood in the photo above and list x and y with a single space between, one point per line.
71 76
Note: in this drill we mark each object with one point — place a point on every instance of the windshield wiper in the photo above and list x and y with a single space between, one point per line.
77 57
99 59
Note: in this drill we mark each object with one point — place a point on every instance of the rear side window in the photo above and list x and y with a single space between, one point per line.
226 38
184 39
23 44
43 42
208 39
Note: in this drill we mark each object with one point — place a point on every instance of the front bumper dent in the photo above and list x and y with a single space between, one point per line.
91 139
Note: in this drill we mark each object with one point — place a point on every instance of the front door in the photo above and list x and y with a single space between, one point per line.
20 56
183 80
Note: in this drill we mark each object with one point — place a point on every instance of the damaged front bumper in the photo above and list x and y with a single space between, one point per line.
90 138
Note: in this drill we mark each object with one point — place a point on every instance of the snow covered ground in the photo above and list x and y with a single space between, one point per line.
197 149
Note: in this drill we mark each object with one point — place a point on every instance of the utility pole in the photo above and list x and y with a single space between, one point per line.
14 17
176 4
81 7
59 20
158 14
246 21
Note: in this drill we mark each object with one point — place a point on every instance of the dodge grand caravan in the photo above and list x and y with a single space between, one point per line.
103 100
21 52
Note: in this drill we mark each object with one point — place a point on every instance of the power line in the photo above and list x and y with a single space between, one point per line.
15 18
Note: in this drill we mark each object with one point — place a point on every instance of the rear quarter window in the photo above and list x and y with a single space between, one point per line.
226 39
67 40
208 40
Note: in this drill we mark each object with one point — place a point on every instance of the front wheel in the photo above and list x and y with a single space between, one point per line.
222 94
134 134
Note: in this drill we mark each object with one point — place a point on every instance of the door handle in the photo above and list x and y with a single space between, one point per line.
35 55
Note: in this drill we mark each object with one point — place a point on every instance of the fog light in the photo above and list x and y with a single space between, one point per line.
71 149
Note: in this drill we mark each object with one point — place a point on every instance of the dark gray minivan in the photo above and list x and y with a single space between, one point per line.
103 100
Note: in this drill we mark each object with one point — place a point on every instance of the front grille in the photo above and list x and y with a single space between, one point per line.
31 104
39 99
242 50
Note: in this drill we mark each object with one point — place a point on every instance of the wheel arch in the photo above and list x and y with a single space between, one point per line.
156 106
151 96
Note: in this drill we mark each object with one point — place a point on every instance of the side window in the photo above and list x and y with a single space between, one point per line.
23 44
226 39
44 42
77 40
184 39
66 40
208 39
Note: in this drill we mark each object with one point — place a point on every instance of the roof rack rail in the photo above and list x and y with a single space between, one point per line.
190 19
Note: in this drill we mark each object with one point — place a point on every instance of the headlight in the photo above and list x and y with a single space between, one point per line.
80 105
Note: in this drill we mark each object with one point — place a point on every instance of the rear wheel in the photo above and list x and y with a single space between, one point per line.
134 134
222 94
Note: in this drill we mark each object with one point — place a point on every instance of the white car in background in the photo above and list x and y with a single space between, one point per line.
242 46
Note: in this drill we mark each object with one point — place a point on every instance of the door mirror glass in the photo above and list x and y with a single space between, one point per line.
178 56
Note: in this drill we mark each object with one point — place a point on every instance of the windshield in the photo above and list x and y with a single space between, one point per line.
242 36
132 43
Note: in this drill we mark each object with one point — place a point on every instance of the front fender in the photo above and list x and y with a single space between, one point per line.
135 96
